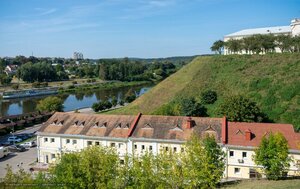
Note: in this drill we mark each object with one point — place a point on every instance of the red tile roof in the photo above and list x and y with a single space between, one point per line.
237 133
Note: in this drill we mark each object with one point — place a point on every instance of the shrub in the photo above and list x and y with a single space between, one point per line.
209 97
74 82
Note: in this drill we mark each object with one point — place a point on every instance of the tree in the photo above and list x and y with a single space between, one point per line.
217 46
239 108
114 101
50 104
272 154
5 79
201 167
284 42
209 97
189 107
130 96
233 45
93 167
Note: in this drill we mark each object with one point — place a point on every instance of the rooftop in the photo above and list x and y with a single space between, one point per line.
267 30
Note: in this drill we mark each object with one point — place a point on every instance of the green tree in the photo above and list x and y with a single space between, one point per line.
50 104
234 45
284 43
239 108
93 167
5 79
201 167
114 101
217 46
209 97
272 154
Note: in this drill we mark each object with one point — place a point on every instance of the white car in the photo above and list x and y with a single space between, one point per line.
28 144
3 152
14 139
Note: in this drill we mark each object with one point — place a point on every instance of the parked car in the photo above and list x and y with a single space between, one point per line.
29 144
3 151
16 148
14 139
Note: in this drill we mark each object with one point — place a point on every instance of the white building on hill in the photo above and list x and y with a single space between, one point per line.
293 29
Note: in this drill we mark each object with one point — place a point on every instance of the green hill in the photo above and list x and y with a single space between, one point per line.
272 81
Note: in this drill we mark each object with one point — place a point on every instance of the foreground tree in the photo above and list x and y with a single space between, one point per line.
50 104
239 108
272 154
209 97
93 167
203 163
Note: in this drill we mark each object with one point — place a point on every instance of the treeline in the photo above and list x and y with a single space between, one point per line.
125 70
41 72
34 69
257 44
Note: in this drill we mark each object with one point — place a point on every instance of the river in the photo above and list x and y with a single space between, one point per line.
72 101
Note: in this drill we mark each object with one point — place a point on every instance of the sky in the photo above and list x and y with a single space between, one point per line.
131 28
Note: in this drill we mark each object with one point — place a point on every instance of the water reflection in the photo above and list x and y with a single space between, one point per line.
73 101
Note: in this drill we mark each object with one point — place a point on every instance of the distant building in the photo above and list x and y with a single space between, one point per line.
77 56
293 30
136 135
11 69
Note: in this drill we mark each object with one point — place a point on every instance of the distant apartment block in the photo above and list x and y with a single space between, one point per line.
293 29
135 135
77 56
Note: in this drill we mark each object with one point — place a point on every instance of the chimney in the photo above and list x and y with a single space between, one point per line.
189 123
224 130
248 135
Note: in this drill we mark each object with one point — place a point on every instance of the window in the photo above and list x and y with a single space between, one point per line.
135 146
120 145
175 149
231 153
237 170
97 143
52 156
112 144
150 148
68 141
167 149
244 154
122 161
45 139
143 147
74 142
89 143
52 140
182 149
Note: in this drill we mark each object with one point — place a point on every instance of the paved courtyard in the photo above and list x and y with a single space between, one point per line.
17 160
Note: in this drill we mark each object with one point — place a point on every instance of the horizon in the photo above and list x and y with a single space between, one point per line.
127 28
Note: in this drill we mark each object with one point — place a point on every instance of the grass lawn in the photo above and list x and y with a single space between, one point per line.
266 184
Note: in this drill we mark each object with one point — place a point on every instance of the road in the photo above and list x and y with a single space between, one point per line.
18 160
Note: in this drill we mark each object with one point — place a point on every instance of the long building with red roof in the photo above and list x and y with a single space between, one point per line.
137 134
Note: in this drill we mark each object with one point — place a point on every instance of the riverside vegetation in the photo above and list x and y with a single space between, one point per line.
270 81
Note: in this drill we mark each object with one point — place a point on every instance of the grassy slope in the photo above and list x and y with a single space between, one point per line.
273 81
265 184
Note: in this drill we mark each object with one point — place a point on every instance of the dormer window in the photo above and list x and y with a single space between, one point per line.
118 126
126 126
82 124
104 125
54 122
61 123
96 124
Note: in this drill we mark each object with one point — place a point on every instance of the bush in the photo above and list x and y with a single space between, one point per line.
208 97
15 86
74 82
50 104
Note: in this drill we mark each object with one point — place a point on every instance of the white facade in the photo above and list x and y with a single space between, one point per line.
239 159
